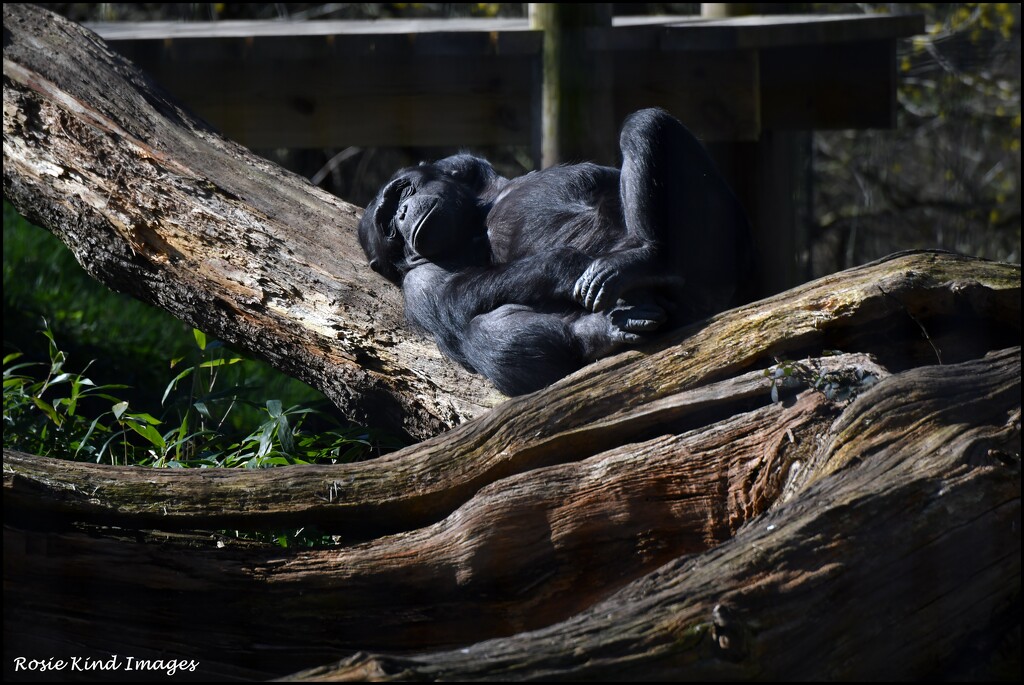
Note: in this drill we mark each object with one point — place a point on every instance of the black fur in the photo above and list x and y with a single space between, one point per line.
527 279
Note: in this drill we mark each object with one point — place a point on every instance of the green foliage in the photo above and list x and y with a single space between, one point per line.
44 416
52 411
212 412
62 413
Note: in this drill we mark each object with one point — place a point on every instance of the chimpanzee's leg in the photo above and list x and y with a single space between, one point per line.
682 220
521 349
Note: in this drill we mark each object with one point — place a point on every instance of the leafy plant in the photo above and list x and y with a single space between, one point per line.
65 414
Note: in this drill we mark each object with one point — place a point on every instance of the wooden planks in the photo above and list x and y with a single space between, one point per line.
471 82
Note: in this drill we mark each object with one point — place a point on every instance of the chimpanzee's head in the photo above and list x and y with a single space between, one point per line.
428 213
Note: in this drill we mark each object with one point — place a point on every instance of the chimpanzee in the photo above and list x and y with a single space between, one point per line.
527 279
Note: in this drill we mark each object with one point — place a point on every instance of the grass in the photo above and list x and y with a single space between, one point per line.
154 392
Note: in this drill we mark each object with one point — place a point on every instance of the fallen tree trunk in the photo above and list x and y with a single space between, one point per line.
919 309
702 508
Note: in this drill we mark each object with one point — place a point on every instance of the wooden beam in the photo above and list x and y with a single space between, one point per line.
717 98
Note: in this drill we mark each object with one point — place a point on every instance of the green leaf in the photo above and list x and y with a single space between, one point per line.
105 396
200 338
147 431
284 431
274 407
213 363
284 434
203 410
88 433
180 438
266 439
56 363
174 383
8 371
119 409
47 409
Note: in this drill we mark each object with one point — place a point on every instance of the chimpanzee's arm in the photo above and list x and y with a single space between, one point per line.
444 302
542 279
506 321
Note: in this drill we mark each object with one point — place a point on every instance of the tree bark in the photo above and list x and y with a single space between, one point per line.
871 568
704 508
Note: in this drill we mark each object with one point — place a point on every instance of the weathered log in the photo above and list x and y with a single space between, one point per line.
656 515
900 503
918 309
630 489
871 572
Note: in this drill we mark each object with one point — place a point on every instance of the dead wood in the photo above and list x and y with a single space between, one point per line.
871 572
911 310
874 512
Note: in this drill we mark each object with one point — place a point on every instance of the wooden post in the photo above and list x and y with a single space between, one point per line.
772 179
576 104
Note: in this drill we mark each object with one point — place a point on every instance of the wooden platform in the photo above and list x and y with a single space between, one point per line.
473 82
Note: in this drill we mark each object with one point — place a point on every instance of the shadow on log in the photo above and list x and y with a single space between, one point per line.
736 501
